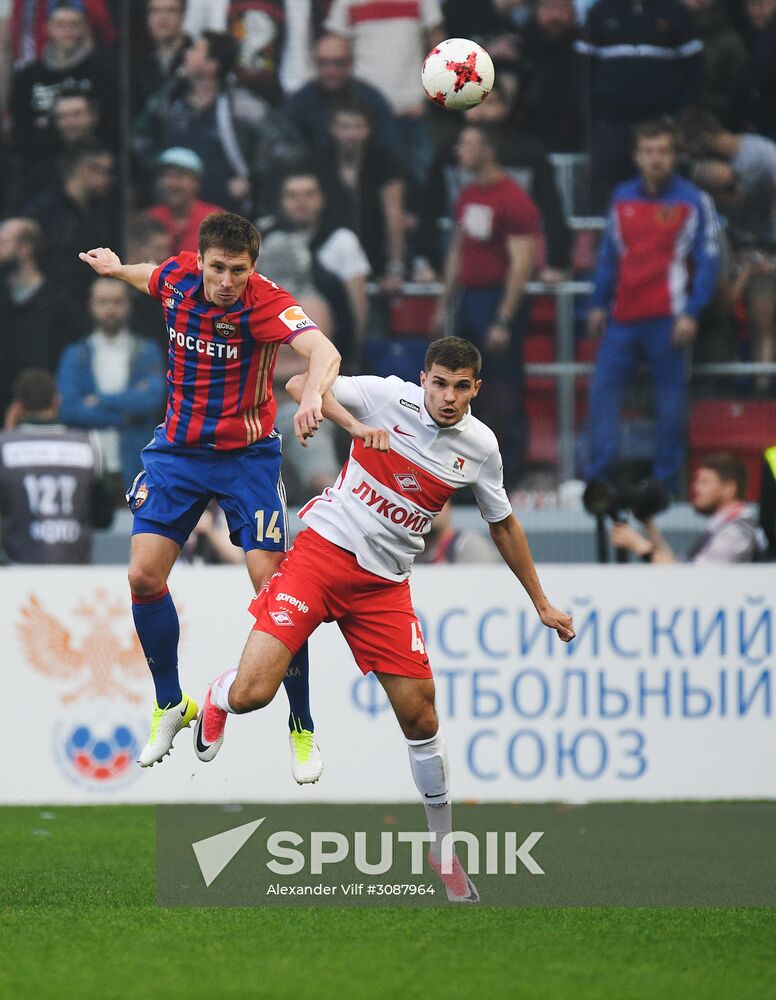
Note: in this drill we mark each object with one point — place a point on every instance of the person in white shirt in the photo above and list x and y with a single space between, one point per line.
315 257
352 562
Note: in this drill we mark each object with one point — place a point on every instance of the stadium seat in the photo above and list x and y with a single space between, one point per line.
412 315
542 428
745 428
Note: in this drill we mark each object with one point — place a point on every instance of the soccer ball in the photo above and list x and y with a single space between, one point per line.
458 74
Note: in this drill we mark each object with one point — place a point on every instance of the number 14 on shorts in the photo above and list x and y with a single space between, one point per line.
271 531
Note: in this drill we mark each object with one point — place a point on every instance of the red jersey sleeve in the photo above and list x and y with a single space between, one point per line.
153 281
277 316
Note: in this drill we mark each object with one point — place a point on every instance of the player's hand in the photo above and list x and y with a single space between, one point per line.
555 619
102 260
309 417
596 321
373 437
684 331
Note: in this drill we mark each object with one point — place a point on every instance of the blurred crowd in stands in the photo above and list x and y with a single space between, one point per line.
125 123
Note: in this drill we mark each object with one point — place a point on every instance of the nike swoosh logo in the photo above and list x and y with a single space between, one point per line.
436 795
202 747
184 709
398 430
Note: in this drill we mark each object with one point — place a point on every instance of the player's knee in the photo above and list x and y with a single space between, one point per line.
250 695
421 721
145 580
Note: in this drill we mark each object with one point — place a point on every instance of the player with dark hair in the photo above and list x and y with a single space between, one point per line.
225 324
352 562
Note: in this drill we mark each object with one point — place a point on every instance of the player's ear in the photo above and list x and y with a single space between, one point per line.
477 385
200 261
422 378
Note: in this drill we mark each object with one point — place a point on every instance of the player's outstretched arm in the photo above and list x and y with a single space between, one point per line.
373 437
323 367
107 264
509 538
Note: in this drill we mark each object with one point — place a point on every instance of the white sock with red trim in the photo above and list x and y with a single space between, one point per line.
428 761
219 690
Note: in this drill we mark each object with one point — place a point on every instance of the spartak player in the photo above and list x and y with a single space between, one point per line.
225 323
352 562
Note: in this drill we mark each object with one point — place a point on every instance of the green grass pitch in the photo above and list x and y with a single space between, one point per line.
78 919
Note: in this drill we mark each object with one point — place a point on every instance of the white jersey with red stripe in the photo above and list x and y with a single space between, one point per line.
382 504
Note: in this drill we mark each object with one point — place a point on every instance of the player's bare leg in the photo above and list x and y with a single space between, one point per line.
306 759
412 700
156 621
251 686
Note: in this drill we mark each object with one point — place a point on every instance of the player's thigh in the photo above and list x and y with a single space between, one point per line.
412 700
263 666
261 565
250 491
171 492
295 599
383 631
151 559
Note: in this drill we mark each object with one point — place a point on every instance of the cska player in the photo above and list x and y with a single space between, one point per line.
225 323
352 562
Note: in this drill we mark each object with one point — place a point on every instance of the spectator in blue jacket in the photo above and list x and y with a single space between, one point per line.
113 382
657 270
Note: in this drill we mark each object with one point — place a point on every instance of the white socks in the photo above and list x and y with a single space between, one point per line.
219 690
428 761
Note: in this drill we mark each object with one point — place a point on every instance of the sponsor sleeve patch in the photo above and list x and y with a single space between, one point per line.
296 319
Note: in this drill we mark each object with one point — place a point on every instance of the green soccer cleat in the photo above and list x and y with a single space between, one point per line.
166 723
306 759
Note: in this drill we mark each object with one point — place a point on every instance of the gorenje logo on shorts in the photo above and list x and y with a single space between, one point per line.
294 602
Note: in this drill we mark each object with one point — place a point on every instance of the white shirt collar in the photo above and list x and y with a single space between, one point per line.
429 421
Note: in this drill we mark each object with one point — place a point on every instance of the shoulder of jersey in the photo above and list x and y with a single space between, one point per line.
405 392
186 260
484 434
263 289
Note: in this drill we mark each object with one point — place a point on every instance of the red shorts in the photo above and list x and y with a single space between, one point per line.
320 582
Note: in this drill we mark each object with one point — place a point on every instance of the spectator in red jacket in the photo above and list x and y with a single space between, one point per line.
488 264
180 210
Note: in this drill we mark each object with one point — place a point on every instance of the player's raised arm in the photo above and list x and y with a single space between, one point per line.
323 367
509 538
373 437
107 264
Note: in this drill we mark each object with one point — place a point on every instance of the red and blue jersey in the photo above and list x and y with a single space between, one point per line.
660 253
221 362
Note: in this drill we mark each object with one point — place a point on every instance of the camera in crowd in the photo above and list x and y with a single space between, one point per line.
644 499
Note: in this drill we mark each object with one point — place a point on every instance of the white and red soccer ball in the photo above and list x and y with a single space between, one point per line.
458 74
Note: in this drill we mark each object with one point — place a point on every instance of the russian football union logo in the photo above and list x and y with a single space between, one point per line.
99 756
